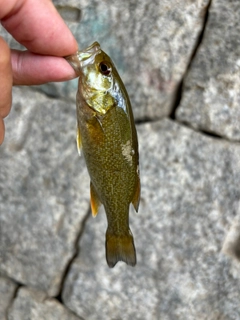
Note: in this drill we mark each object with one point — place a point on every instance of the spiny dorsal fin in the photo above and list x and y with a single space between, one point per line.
95 202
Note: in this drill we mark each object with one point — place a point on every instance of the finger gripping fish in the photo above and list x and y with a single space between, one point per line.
107 137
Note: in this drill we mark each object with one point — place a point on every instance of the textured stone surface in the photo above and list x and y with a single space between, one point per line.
211 94
231 245
150 43
70 10
190 196
44 190
35 305
187 230
7 290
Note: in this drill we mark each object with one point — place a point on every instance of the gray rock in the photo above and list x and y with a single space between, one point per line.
190 197
150 43
187 230
211 94
68 9
74 4
231 245
35 305
7 290
44 191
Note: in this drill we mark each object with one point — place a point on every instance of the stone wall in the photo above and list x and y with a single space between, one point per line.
180 62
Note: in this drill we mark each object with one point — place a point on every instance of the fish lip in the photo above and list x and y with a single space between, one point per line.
91 49
84 57
87 56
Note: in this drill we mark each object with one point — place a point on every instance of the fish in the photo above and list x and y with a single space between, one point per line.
107 137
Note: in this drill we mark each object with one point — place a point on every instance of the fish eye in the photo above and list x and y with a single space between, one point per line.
105 68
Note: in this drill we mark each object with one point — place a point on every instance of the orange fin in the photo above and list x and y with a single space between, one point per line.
95 202
79 141
136 197
120 248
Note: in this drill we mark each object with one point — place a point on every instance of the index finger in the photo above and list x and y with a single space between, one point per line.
38 26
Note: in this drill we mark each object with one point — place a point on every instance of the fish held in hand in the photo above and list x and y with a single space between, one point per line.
107 137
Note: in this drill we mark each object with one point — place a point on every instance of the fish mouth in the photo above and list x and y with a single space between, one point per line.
84 57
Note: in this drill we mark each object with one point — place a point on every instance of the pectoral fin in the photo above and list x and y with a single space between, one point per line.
79 141
95 202
136 197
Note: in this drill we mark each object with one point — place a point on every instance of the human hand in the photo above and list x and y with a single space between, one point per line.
38 26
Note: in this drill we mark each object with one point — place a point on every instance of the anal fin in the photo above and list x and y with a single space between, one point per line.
136 196
95 202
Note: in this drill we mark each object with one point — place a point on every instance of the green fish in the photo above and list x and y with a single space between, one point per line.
107 137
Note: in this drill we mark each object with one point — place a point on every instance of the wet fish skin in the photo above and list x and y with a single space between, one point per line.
108 139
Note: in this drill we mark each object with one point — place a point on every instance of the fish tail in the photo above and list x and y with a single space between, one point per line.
120 248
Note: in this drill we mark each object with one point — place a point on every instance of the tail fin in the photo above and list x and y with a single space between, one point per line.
120 248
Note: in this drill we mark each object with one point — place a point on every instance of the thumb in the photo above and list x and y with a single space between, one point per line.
5 84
